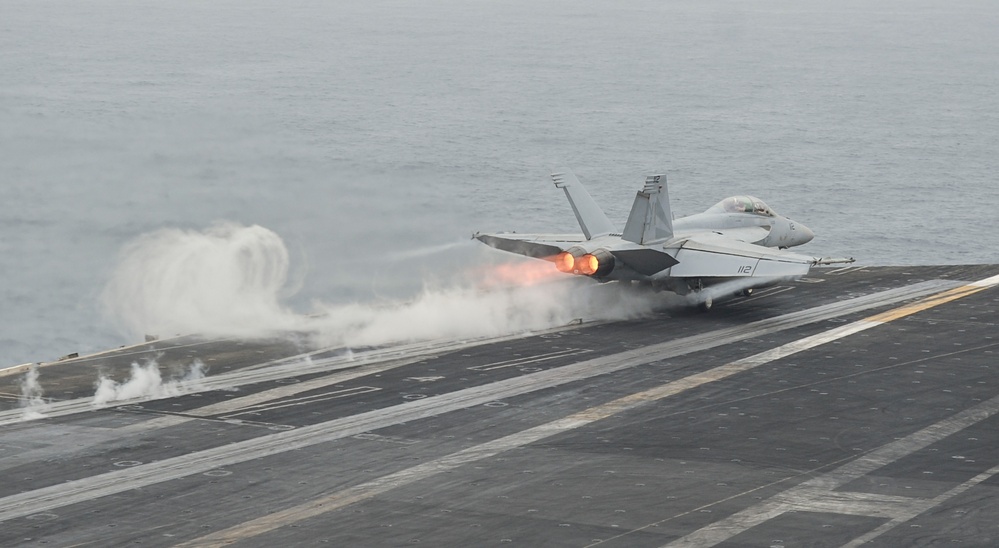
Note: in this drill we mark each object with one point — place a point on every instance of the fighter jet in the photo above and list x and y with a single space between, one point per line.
738 243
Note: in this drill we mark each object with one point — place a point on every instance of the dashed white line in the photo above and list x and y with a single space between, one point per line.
517 362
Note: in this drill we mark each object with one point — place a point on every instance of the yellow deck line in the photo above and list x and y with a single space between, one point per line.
935 300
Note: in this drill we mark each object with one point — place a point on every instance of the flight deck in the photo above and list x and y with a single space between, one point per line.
857 406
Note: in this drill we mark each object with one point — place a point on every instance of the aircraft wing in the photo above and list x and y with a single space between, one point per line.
538 246
713 255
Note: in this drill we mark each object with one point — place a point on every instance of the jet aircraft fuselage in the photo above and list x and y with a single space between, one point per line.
740 237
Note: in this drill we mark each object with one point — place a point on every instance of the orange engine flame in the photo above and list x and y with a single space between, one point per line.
518 273
564 262
588 264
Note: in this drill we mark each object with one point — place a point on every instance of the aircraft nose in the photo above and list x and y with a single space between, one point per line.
804 235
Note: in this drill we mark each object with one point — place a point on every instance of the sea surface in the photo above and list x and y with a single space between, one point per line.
354 146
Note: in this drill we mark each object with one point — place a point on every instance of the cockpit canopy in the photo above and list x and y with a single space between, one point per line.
742 204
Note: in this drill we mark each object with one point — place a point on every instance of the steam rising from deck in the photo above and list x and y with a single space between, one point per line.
30 399
229 280
146 382
226 280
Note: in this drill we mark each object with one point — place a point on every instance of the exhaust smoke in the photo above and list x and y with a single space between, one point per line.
229 280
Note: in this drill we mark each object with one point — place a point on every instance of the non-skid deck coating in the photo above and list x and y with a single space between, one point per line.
857 407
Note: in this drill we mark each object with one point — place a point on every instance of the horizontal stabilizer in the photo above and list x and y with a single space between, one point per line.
592 219
538 246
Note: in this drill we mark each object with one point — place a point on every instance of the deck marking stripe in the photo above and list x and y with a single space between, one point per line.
929 302
383 484
517 362
304 400
987 282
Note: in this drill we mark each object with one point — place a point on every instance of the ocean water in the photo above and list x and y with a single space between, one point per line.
370 139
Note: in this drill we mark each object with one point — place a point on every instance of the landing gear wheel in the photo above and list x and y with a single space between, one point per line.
747 292
706 304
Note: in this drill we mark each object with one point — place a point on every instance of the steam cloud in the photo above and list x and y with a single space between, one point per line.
228 281
30 399
223 281
146 382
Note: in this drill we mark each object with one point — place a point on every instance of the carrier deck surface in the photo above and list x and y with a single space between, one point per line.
858 406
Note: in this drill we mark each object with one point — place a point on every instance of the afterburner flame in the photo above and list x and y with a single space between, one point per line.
588 264
519 273
564 262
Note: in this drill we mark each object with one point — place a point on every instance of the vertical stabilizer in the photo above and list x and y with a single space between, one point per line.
650 220
591 218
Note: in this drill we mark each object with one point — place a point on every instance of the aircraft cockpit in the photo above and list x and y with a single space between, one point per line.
742 204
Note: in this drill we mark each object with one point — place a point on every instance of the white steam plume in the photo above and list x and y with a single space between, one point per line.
465 312
30 400
146 382
228 281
